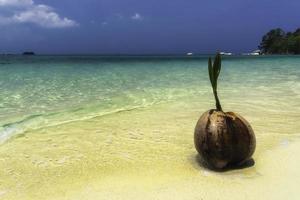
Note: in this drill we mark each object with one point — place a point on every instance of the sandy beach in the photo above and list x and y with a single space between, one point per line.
141 154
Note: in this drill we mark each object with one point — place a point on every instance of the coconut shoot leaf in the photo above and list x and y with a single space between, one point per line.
217 66
214 72
210 71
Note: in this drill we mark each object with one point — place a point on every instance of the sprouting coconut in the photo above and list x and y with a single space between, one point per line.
223 138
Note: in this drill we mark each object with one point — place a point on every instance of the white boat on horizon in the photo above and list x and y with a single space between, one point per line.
226 53
253 53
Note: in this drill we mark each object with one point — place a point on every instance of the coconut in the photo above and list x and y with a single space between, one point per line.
223 138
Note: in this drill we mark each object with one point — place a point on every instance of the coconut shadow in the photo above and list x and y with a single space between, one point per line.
203 164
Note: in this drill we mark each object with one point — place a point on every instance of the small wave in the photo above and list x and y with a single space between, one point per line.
34 122
7 132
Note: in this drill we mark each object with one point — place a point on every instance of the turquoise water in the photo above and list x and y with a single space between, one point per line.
43 91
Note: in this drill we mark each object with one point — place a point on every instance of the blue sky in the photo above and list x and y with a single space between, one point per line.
140 26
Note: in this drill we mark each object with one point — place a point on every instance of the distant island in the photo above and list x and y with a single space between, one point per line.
277 41
28 53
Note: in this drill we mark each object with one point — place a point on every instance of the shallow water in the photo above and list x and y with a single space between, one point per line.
76 126
48 90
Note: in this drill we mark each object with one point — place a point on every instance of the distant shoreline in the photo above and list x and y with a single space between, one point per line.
151 55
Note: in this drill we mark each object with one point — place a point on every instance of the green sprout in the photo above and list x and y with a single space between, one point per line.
214 71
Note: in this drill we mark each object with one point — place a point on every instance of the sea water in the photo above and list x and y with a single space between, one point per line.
39 91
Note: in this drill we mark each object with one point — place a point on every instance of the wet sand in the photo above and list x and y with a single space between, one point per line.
146 153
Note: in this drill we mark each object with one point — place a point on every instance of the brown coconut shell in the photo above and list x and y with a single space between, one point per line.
223 139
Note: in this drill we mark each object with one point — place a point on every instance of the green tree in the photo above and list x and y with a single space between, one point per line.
277 41
274 42
294 44
297 32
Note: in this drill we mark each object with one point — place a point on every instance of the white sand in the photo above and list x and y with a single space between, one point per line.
142 154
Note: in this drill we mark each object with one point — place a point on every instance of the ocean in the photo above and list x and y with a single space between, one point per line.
38 91
88 118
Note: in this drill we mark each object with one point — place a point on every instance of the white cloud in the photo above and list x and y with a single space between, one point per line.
44 16
15 2
40 14
136 16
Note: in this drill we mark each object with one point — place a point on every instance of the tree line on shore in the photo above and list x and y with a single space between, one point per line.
277 41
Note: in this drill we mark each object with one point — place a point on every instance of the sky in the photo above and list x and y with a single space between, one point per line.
141 26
